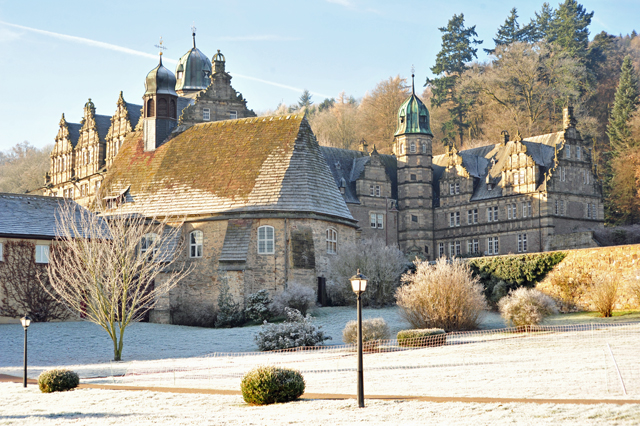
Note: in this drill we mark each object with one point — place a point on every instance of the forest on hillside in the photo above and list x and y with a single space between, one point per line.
536 67
534 70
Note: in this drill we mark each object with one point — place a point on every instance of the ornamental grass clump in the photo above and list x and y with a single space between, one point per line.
603 291
57 380
444 295
421 338
296 296
373 329
526 306
268 385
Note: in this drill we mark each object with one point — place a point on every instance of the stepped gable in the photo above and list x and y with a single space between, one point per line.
264 164
349 165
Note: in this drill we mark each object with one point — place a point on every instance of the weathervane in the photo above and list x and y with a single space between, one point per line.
193 33
161 46
413 72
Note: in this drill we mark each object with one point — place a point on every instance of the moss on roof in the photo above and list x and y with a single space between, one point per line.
223 158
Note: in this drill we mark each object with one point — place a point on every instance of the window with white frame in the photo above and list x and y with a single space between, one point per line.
451 189
564 173
457 215
457 187
376 220
42 253
380 221
526 209
266 240
473 246
196 240
412 147
472 216
233 115
578 153
424 148
148 243
454 219
332 241
492 245
458 248
492 214
522 243
206 114
440 249
452 249
372 220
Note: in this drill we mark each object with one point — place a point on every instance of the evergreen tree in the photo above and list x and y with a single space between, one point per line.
569 28
457 50
626 103
538 29
305 100
509 32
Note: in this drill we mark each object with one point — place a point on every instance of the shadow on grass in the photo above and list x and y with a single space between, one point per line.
66 415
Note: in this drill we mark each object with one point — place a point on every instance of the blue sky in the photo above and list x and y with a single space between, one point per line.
56 55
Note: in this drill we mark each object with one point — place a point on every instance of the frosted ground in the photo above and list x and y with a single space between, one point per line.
567 364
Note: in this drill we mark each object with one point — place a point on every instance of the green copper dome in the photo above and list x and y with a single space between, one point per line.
160 80
194 70
413 117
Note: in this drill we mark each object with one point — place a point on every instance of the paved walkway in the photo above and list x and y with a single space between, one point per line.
14 379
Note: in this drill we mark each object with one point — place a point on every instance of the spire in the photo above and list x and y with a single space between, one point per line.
413 72
193 33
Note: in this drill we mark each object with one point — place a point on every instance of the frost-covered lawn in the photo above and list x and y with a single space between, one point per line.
534 365
103 407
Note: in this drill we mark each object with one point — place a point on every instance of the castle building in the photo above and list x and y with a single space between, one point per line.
266 206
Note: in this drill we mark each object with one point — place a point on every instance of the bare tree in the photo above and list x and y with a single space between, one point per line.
21 293
113 269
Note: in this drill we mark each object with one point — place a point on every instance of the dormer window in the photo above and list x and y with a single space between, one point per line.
206 114
233 115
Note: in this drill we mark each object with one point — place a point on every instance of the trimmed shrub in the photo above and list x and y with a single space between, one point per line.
58 380
296 331
373 329
422 338
193 314
381 264
526 306
268 385
297 297
444 295
604 291
513 271
258 306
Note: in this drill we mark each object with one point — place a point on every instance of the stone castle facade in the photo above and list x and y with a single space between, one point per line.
266 206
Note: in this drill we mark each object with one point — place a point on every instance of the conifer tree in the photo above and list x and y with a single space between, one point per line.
305 99
626 103
569 28
538 29
509 32
457 50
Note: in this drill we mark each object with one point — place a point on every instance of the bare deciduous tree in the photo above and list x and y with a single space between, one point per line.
113 269
19 278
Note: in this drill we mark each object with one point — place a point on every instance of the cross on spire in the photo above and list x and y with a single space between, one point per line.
161 46
193 33
413 71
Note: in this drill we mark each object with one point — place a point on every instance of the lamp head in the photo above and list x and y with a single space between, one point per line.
26 321
358 283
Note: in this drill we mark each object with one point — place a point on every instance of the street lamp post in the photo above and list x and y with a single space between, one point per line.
359 285
26 322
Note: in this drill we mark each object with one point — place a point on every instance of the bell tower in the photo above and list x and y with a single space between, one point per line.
160 106
412 147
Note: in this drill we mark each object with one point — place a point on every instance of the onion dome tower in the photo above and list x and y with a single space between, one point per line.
412 147
193 72
160 106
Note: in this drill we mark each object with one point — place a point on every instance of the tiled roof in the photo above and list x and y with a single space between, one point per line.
30 215
246 165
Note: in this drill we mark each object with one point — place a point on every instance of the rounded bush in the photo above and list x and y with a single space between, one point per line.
268 385
295 332
58 380
422 338
372 329
526 306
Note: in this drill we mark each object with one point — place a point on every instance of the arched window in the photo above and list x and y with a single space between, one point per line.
413 147
172 109
163 108
196 239
265 240
424 147
332 241
150 111
147 245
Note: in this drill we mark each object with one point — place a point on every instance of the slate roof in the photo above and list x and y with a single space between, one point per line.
135 111
262 164
103 122
236 241
74 133
30 216
348 164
